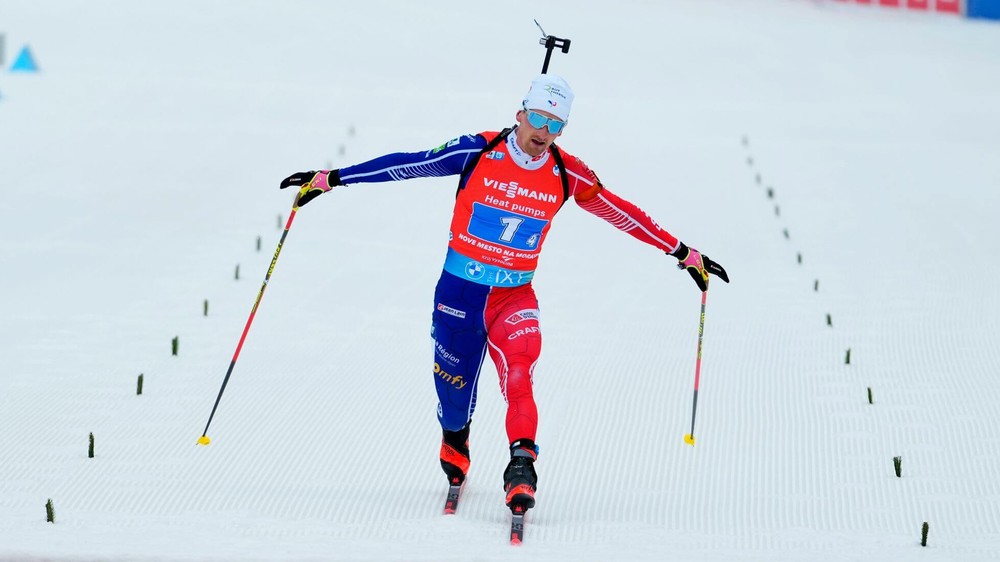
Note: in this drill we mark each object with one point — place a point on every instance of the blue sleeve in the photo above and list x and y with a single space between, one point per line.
449 159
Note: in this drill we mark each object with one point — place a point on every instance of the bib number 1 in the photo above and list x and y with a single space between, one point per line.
510 226
500 226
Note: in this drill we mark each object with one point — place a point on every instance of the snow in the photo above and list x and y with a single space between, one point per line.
141 164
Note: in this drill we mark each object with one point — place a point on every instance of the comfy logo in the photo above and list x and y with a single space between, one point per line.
457 381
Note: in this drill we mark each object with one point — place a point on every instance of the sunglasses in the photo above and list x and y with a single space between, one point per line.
537 120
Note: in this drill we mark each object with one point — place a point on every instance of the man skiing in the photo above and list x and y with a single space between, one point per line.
511 185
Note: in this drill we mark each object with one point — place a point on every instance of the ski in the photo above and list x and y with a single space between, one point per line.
517 512
517 524
451 502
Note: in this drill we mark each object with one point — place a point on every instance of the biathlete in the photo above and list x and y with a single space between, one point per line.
511 185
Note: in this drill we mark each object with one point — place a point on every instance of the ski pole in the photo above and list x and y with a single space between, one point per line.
689 438
551 42
204 440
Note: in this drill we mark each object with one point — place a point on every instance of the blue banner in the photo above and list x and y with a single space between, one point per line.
985 9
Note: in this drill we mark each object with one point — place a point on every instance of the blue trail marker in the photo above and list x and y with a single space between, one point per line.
24 61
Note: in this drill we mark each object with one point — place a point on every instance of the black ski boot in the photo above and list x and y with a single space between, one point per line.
520 479
455 455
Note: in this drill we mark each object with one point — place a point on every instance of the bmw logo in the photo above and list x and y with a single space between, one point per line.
474 270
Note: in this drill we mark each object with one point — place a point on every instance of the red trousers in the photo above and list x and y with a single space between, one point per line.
470 319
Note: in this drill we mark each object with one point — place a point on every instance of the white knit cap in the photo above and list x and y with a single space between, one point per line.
550 93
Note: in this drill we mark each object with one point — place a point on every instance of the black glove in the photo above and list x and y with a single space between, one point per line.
699 266
312 184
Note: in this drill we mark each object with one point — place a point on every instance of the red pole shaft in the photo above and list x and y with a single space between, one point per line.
260 295
697 367
253 312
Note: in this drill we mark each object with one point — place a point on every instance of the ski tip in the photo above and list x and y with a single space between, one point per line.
514 541
204 440
689 439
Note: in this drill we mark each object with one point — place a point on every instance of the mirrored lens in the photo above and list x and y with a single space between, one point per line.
537 120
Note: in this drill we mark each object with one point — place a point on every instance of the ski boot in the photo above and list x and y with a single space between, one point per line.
455 455
520 479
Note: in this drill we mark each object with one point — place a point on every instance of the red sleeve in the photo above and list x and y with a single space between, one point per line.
583 182
628 218
591 195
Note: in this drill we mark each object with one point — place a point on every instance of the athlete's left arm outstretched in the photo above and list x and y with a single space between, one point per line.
591 196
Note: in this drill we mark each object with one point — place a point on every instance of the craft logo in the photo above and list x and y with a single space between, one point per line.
523 332
451 311
522 315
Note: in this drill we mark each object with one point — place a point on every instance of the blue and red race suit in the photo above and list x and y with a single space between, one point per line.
484 300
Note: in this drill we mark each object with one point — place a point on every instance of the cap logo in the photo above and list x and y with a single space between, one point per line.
555 91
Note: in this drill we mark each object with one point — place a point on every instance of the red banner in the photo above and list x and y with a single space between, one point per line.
950 6
945 6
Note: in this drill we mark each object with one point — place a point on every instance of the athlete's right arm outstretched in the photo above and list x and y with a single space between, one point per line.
446 160
591 195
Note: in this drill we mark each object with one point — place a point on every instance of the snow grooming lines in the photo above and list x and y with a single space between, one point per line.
689 438
204 440
551 42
